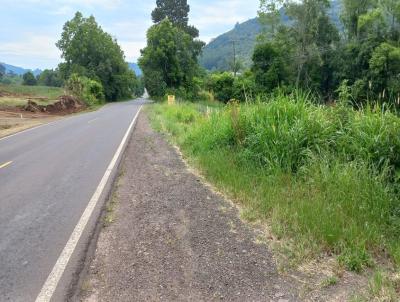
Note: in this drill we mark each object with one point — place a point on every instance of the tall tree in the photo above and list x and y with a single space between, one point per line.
169 60
352 11
270 16
177 11
91 52
314 35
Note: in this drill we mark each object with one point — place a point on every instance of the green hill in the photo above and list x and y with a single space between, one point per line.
218 54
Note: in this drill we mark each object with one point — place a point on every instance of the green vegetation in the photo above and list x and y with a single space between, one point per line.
34 91
313 55
169 62
90 52
218 54
29 79
90 91
17 95
324 178
51 78
2 71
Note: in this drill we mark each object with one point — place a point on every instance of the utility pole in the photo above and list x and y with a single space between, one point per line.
234 58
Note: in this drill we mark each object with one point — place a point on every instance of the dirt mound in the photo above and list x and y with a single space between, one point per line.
66 104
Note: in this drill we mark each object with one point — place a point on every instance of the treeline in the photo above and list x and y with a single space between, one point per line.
312 53
94 68
359 57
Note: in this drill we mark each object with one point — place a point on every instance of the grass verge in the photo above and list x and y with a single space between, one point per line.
37 91
325 179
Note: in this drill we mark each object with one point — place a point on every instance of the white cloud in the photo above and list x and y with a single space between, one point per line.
35 25
31 47
132 49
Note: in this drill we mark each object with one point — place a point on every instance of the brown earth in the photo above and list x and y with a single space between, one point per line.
13 121
65 105
173 239
16 119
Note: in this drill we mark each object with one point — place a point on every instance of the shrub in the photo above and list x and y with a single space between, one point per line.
221 84
87 90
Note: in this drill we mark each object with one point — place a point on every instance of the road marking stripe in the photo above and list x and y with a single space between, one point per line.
91 121
5 164
53 279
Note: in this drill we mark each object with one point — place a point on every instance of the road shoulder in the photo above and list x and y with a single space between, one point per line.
172 238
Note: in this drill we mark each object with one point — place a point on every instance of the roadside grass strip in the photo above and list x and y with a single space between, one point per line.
325 179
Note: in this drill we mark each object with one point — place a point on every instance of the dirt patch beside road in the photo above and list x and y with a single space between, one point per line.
173 239
14 121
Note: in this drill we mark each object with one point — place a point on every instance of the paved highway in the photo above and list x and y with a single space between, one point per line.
48 175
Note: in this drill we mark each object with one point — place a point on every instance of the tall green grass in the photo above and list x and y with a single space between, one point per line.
325 178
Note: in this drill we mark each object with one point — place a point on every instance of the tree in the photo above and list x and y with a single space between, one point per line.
385 70
177 11
2 71
29 79
89 51
222 86
270 16
268 66
169 60
50 78
352 11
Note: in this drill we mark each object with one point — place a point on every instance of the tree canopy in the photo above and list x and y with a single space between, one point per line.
169 60
50 78
177 11
89 51
316 56
29 79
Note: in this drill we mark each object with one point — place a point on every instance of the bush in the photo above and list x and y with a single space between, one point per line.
87 90
222 86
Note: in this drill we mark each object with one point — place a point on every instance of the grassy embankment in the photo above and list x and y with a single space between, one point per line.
325 179
18 95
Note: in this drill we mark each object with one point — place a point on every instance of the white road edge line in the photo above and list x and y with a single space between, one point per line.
53 279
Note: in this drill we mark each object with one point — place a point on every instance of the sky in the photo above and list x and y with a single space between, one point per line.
29 29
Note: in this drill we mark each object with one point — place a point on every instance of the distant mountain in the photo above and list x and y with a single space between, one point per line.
19 70
135 67
218 54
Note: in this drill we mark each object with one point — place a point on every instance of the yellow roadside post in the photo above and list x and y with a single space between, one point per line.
171 100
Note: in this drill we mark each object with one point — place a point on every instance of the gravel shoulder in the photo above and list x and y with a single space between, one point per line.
173 239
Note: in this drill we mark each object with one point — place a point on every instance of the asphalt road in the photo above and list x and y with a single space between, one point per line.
47 177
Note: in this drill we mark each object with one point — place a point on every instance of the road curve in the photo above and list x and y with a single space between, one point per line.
47 177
